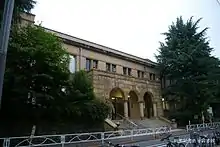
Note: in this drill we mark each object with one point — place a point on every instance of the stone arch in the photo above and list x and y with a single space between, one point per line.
136 92
117 97
117 92
148 102
133 105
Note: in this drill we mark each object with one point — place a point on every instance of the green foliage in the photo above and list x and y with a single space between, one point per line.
20 6
185 58
82 103
81 87
37 72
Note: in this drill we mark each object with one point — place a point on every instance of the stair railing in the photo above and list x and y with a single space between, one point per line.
128 122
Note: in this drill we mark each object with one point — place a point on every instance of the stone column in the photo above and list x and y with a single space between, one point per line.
141 106
91 66
78 63
126 108
80 59
155 109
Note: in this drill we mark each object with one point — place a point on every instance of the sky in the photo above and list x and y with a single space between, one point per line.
131 26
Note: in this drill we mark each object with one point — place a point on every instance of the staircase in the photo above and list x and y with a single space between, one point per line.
125 123
128 124
150 123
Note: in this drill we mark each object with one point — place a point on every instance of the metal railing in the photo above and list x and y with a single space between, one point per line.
204 126
129 123
65 139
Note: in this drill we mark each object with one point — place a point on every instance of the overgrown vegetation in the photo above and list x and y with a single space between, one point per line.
185 59
38 86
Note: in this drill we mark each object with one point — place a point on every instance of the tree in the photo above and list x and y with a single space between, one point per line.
82 103
38 86
185 58
20 6
36 72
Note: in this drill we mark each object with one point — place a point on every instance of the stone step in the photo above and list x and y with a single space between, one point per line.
141 124
150 123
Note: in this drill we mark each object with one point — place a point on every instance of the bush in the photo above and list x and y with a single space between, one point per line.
82 104
182 117
95 111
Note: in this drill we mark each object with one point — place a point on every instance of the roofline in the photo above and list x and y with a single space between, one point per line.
98 46
28 13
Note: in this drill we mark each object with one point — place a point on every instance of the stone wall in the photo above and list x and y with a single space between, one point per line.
104 82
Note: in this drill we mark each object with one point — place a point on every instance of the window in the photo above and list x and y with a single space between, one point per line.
124 71
171 82
113 68
72 64
151 76
88 64
139 73
108 67
95 64
129 71
154 77
142 74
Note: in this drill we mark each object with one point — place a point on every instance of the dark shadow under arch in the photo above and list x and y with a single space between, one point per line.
116 97
148 110
133 106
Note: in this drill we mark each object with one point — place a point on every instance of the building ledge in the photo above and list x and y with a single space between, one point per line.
96 72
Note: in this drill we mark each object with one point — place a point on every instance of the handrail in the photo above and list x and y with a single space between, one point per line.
126 119
202 126
165 119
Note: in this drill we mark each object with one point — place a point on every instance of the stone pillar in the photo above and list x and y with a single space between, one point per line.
141 106
91 66
126 108
155 109
80 59
78 62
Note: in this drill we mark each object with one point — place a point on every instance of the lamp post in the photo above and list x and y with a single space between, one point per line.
4 37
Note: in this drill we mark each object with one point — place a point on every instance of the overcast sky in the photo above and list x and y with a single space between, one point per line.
131 26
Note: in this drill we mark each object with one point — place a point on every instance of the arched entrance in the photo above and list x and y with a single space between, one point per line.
117 99
133 106
148 110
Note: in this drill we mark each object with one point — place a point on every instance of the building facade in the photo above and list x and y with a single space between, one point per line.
130 83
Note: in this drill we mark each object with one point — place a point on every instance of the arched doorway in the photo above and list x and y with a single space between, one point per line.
117 99
148 110
133 106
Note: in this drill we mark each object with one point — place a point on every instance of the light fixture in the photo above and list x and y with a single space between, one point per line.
113 98
163 99
128 96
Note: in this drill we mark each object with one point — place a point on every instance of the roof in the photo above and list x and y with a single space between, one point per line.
101 47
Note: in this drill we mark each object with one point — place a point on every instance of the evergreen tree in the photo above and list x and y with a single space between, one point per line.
36 71
185 58
20 6
39 89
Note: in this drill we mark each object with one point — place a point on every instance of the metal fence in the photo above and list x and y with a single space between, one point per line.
204 126
89 138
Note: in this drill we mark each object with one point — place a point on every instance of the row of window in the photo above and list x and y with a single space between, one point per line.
93 64
90 64
112 68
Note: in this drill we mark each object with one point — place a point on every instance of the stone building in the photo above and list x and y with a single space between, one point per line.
131 83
